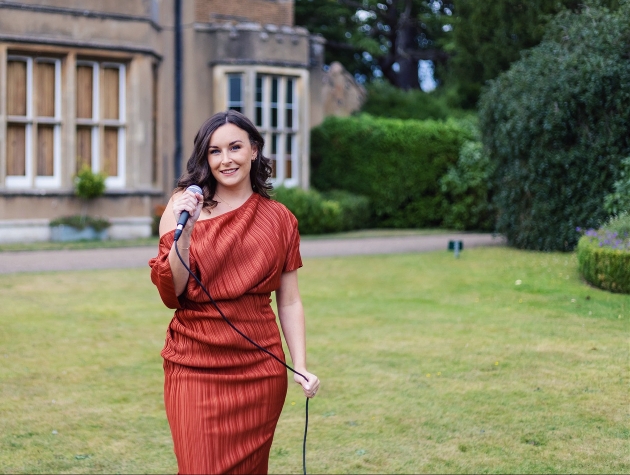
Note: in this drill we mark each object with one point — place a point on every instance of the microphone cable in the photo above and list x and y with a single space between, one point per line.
253 343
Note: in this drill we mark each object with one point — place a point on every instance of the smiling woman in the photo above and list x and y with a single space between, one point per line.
223 397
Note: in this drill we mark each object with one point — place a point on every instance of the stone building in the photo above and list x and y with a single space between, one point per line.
94 82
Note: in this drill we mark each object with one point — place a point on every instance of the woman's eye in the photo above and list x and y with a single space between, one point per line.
236 147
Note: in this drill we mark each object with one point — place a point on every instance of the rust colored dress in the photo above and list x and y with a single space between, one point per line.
223 396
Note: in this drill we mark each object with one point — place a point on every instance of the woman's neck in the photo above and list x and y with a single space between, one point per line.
233 197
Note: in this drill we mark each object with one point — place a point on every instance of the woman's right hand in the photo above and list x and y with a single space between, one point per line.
188 201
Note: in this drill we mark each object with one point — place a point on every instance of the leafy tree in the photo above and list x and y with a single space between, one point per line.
489 35
380 38
556 123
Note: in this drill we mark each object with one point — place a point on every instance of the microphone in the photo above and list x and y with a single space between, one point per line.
185 215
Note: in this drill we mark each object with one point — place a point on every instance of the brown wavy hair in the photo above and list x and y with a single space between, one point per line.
198 170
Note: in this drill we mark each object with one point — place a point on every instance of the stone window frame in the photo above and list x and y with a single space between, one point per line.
32 121
301 128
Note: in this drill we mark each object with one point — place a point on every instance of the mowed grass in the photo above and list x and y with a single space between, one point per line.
428 364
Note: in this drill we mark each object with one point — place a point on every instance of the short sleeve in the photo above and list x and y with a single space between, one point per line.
293 259
161 274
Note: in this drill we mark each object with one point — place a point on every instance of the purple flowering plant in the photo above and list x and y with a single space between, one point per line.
607 238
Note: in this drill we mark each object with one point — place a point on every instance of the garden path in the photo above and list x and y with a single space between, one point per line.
134 257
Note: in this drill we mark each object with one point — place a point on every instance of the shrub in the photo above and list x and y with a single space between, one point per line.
355 209
385 100
318 213
467 188
81 222
556 124
602 265
619 200
89 185
397 164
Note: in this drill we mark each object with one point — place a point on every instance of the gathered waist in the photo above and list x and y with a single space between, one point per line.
198 336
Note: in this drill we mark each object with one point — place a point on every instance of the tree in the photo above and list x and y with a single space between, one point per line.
556 124
488 36
380 38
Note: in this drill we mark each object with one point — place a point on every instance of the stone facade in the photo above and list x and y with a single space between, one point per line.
91 82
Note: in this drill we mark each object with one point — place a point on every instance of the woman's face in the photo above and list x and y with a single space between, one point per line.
230 156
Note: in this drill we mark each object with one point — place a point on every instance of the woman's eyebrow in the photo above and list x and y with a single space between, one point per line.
231 143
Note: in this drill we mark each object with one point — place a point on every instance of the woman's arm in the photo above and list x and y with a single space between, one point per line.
291 315
181 201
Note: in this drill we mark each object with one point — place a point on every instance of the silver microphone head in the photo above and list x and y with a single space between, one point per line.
195 189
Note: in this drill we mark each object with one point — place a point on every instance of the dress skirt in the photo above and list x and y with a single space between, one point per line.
222 423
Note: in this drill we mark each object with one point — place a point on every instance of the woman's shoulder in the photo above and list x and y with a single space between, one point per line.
277 208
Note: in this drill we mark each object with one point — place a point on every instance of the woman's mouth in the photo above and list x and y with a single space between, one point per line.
229 171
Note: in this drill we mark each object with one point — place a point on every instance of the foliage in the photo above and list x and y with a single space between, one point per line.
467 188
385 100
619 200
619 224
556 124
604 259
355 209
89 185
375 38
397 164
317 213
80 356
81 222
489 36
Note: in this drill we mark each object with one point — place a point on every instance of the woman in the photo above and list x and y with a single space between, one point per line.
223 395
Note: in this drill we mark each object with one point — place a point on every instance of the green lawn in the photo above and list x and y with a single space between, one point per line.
428 364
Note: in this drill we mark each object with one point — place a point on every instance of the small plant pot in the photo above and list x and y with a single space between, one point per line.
64 232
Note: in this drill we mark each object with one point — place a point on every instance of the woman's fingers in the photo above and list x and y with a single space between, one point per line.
311 386
189 202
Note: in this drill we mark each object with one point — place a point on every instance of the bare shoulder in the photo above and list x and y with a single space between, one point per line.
167 222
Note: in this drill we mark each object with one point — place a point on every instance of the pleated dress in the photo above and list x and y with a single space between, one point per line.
223 396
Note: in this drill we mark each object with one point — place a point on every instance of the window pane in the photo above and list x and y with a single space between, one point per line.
259 88
45 89
16 150
290 83
289 118
274 90
288 168
45 150
234 93
84 147
274 102
259 100
111 93
84 92
110 151
274 152
16 88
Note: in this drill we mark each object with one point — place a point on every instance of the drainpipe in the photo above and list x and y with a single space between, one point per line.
178 90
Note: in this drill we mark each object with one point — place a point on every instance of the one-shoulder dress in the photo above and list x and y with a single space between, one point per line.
223 396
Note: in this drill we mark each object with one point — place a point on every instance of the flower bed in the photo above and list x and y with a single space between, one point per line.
604 259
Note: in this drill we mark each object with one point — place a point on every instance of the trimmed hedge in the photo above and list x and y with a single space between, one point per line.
319 213
556 124
602 266
397 164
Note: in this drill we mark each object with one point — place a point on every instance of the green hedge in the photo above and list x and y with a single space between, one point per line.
319 213
603 266
397 164
556 125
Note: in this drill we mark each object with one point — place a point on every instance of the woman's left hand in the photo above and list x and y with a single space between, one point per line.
311 386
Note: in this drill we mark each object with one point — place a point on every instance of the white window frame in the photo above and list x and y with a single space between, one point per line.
29 179
299 129
96 123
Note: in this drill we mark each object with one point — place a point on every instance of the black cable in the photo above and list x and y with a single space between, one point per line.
253 343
